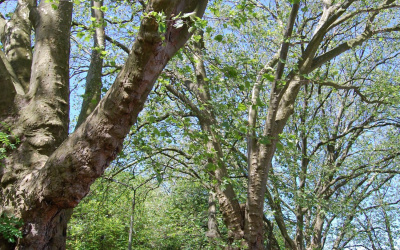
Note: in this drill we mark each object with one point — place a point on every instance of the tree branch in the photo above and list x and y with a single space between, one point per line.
348 87
368 10
108 38
186 101
352 43
93 83
86 153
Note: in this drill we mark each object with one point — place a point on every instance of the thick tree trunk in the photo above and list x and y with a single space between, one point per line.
49 172
316 241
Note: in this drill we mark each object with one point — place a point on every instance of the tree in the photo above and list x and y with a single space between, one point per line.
51 171
298 49
330 37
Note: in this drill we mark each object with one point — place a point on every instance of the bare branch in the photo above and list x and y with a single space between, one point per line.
93 83
326 20
349 87
368 10
186 101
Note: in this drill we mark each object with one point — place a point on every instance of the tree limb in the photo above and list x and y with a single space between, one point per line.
360 39
348 87
86 153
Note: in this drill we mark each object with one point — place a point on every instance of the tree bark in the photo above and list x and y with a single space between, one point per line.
261 156
41 127
213 231
16 40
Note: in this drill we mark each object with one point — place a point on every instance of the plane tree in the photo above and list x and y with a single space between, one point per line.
250 60
50 170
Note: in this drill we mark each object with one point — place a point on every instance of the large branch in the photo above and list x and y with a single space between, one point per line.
86 153
8 91
228 203
16 39
355 13
360 39
329 16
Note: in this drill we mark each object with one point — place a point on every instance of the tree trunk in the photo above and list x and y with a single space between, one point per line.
132 222
213 231
228 203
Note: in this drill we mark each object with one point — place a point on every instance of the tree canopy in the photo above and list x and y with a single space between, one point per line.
260 125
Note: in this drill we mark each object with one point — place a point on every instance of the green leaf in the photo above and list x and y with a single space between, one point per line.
211 167
104 8
279 146
269 77
159 177
225 124
242 107
80 34
218 38
264 140
178 23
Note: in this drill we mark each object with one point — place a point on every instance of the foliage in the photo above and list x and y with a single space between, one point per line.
9 227
101 221
5 142
177 217
170 217
336 160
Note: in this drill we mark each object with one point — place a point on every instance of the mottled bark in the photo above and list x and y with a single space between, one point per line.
16 39
316 241
8 92
93 85
228 203
213 231
50 172
42 126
